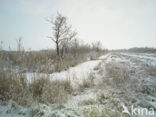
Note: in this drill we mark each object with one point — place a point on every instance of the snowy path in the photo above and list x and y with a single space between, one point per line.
80 71
74 74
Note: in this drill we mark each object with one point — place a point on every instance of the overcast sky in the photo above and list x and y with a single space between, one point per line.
116 23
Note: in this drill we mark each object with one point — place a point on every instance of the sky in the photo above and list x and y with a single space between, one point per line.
117 24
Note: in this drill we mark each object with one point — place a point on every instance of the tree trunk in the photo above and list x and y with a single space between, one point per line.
62 52
57 49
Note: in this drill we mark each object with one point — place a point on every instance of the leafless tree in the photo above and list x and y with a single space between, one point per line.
97 46
74 46
61 32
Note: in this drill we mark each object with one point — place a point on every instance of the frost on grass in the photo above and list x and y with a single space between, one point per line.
115 80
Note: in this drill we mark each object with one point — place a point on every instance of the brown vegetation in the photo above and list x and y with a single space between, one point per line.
16 87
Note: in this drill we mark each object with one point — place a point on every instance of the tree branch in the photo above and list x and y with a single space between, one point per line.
52 39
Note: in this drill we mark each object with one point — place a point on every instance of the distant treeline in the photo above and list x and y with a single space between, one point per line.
138 49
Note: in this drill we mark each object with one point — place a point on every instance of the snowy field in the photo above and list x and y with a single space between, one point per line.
119 80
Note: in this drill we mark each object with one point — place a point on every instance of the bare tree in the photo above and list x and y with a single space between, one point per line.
62 32
75 45
66 43
97 46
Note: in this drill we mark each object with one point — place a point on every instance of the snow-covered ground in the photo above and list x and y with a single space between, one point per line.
140 90
74 74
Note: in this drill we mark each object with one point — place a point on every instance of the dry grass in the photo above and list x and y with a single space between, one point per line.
151 70
41 61
96 112
68 61
124 86
16 87
47 91
119 73
87 102
4 88
51 92
86 82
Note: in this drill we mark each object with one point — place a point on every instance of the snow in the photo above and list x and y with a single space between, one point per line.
13 110
75 106
74 74
144 57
